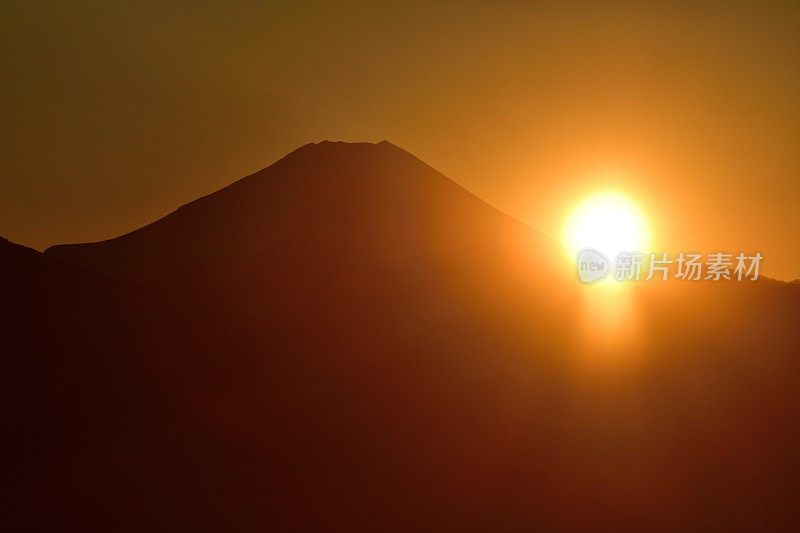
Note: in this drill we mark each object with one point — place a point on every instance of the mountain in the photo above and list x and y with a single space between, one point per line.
348 339
329 220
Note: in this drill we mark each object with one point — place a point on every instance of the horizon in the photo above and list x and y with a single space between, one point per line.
555 238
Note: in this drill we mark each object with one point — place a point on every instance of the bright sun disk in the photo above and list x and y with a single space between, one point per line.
608 222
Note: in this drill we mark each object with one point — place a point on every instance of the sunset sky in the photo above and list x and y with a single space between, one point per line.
117 113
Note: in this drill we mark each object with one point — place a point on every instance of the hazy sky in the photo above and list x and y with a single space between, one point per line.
116 113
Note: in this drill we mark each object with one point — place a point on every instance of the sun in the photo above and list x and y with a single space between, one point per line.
609 222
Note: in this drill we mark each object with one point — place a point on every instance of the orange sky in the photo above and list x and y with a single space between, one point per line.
115 115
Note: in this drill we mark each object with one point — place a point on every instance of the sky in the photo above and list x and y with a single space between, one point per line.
116 113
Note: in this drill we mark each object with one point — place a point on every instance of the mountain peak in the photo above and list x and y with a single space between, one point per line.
345 144
363 205
331 146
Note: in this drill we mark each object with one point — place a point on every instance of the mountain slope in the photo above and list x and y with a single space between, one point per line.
375 204
351 224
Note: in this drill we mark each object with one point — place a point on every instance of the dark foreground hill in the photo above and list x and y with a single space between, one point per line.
349 339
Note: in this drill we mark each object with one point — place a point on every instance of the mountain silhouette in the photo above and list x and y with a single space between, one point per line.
349 339
329 218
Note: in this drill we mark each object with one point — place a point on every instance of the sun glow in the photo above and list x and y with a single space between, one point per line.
608 222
